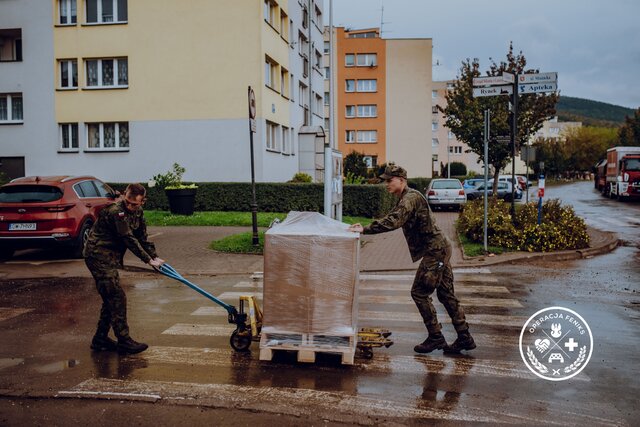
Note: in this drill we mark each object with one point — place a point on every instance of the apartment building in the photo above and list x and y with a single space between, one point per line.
446 148
27 117
553 129
381 104
134 88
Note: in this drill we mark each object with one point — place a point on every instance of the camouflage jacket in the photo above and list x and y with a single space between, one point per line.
117 230
412 213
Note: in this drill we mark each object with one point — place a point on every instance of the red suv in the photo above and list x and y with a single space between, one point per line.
44 211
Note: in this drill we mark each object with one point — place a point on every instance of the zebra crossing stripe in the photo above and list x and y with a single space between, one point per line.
198 330
414 316
465 301
335 406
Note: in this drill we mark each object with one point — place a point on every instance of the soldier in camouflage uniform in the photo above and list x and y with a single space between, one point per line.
119 227
426 242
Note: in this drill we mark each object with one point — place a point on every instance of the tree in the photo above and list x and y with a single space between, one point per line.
585 146
629 133
354 165
464 114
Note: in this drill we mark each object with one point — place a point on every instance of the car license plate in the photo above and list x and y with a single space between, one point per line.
22 226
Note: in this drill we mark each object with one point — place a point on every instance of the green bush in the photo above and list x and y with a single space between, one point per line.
301 177
419 184
371 201
560 229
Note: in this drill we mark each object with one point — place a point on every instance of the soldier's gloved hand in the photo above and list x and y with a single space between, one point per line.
356 228
156 262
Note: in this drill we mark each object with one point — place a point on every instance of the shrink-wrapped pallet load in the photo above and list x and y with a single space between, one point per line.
310 297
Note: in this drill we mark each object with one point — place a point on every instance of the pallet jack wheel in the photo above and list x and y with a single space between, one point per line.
240 342
366 352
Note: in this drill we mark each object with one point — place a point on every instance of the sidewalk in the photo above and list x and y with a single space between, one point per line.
186 249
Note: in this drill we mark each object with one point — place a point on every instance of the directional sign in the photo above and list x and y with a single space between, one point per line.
538 78
493 80
537 87
492 90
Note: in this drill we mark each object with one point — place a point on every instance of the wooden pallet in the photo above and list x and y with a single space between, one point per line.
308 345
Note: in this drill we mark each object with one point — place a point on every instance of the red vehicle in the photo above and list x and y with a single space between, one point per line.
623 173
45 211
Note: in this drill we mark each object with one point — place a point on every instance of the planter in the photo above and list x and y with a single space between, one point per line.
182 201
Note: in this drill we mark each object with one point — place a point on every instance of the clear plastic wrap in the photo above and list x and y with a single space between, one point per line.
310 278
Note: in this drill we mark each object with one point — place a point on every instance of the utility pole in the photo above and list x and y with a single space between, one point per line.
514 138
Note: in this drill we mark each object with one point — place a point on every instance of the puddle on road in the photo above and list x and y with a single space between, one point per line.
57 366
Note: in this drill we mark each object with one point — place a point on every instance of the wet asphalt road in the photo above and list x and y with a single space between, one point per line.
46 325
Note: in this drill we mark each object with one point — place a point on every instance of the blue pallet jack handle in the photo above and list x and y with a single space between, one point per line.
234 317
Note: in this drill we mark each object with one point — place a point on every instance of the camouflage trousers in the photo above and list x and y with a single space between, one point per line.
437 275
113 313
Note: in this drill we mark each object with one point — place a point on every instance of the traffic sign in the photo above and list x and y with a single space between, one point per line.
492 90
493 80
538 78
537 87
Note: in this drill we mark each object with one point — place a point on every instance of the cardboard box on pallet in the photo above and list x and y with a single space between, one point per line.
311 279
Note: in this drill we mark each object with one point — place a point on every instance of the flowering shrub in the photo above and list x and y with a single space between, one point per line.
560 229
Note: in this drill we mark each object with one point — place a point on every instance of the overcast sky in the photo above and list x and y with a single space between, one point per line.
594 45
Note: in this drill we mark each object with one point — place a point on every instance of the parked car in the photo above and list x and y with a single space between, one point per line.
445 193
503 191
523 181
45 211
471 182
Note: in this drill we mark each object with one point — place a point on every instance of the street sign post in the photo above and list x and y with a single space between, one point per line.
492 90
537 87
252 129
493 80
538 78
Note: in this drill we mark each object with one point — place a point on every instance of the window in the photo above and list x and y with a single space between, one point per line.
327 73
11 45
303 94
367 85
434 94
554 131
450 86
434 125
317 16
366 136
286 145
350 86
450 135
68 74
367 110
318 63
349 60
284 82
303 45
455 150
107 73
270 70
272 136
326 98
292 88
327 46
434 109
367 59
327 123
106 11
284 25
350 111
435 143
10 108
85 189
305 66
367 35
69 136
107 136
318 106
305 18
350 136
371 161
67 12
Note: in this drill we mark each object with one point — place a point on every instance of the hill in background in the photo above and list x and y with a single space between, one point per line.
591 113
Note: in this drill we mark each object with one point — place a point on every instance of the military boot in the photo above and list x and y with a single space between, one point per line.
433 342
463 342
129 346
103 343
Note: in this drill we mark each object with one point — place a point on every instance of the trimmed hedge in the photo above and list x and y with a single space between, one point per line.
372 201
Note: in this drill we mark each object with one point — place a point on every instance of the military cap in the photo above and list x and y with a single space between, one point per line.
393 170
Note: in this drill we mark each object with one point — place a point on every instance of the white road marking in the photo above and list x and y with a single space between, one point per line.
111 394
197 330
300 402
7 313
465 301
11 362
473 319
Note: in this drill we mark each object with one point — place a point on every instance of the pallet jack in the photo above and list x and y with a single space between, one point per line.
248 320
